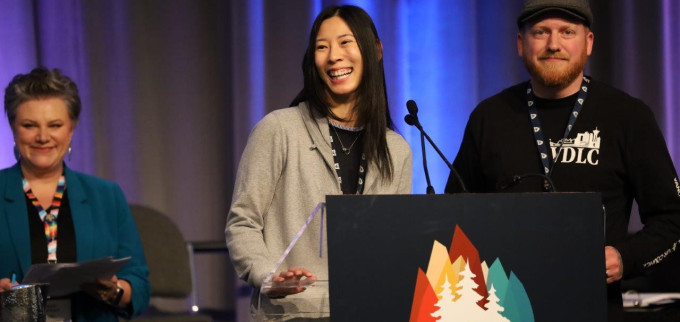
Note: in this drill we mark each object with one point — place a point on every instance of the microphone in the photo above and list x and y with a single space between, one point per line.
412 119
412 108
548 184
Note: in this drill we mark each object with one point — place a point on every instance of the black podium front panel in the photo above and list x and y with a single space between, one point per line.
545 252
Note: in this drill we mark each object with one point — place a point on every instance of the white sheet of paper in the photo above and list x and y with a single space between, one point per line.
631 299
66 278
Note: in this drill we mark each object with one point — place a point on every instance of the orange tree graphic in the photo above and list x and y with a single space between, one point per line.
458 285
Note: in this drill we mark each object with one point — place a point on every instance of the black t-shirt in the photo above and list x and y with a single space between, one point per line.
66 235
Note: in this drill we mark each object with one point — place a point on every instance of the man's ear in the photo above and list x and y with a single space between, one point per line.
380 50
590 40
520 45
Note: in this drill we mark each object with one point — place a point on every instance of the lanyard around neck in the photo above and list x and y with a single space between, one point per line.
538 130
49 219
363 164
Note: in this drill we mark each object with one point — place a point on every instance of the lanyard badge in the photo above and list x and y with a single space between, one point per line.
538 130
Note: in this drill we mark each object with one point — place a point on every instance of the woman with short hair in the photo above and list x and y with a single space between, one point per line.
52 214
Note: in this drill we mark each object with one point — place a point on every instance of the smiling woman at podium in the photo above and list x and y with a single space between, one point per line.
337 138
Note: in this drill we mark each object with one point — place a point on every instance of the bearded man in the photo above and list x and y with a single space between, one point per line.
582 134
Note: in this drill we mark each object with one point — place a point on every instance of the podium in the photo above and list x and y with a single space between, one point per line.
479 257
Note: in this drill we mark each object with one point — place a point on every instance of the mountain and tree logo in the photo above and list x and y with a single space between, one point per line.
458 287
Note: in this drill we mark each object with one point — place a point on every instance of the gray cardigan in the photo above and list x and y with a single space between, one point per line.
285 171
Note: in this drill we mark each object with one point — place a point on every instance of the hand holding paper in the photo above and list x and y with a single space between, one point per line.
67 278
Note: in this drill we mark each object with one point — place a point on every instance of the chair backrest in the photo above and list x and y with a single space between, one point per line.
166 253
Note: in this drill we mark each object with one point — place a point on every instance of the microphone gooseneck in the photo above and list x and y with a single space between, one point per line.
430 189
412 119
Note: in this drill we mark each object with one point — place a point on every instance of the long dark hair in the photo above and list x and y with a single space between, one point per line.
371 103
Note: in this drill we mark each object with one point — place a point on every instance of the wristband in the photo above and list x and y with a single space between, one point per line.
119 295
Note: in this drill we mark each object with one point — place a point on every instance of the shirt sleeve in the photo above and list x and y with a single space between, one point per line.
260 168
406 172
654 182
135 271
467 162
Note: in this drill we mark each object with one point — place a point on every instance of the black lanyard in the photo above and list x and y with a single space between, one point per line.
363 165
538 130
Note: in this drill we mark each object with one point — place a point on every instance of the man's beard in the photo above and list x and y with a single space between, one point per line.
555 75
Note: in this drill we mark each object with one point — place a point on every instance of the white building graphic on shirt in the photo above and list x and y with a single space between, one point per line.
584 149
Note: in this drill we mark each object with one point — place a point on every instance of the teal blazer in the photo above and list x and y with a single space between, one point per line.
103 226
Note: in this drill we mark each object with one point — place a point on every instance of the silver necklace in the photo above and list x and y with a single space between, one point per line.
344 149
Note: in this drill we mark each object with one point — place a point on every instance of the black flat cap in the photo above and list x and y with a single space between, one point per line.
579 9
